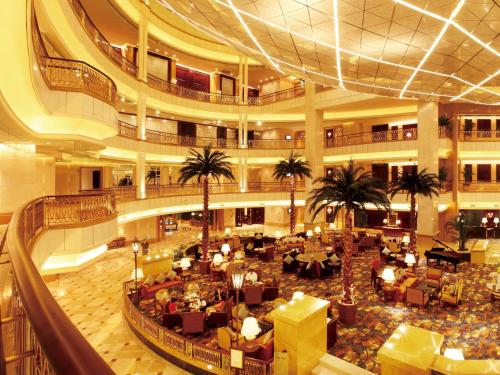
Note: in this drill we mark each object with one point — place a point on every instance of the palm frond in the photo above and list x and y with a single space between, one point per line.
415 183
294 165
208 163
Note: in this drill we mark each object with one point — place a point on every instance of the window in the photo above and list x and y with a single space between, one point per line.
484 172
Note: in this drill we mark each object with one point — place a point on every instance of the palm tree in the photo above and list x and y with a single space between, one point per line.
152 175
459 228
415 183
291 168
202 166
350 189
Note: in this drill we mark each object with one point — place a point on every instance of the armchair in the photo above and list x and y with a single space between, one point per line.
452 294
289 262
434 277
193 322
268 254
253 295
416 296
266 351
305 270
226 338
171 320
321 270
222 317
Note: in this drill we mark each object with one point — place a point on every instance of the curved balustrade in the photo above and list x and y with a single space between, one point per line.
115 55
480 135
207 358
71 75
480 186
392 135
128 193
444 131
44 341
154 136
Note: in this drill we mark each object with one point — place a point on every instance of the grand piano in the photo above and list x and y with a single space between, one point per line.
444 253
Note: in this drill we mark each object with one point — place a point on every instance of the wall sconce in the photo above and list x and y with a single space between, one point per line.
484 221
496 221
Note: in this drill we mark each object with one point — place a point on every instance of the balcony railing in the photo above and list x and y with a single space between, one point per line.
277 96
71 75
444 131
480 135
123 194
217 361
393 135
155 136
101 42
478 186
38 337
157 83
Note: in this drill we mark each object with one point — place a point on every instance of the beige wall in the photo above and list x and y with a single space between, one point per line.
67 179
23 175
144 228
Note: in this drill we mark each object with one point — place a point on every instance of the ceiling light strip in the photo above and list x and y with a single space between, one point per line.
476 86
433 46
453 23
250 34
303 69
337 41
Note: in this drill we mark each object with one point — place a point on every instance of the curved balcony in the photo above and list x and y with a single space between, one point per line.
157 83
372 145
44 340
127 130
479 135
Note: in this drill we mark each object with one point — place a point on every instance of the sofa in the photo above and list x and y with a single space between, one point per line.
152 284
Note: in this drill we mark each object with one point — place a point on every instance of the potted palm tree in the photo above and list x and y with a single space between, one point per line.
467 173
458 228
415 183
152 176
349 189
203 166
442 176
291 168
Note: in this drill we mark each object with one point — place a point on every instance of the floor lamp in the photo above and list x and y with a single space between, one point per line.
238 278
135 249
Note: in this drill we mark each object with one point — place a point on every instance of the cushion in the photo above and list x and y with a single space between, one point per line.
160 278
309 265
334 258
449 289
149 280
321 264
258 236
386 251
288 259
250 246
268 336
171 275
242 313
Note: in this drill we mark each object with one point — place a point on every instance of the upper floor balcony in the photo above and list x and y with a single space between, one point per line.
479 135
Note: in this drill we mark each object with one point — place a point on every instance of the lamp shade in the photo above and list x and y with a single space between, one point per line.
496 220
278 234
405 239
398 222
455 354
250 328
218 259
309 233
410 258
317 230
135 245
140 273
388 275
227 231
484 220
332 226
225 248
238 278
384 221
185 263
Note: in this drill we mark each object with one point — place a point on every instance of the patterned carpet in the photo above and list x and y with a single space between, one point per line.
473 326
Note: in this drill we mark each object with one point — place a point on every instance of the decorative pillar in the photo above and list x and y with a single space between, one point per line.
240 79
245 81
141 115
428 158
314 147
142 51
243 174
140 175
300 329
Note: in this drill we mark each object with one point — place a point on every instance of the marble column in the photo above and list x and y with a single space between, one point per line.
314 148
140 175
428 158
142 51
141 115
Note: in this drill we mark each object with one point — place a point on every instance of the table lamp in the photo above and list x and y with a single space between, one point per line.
484 221
227 231
278 235
250 328
317 230
332 226
410 260
496 221
140 273
218 259
384 221
226 249
388 276
406 239
309 233
185 263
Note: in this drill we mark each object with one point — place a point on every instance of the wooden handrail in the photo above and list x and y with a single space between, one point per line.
391 135
56 339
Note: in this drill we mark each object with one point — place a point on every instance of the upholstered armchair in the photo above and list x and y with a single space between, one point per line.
193 322
416 296
253 295
289 262
452 294
222 317
226 338
266 351
268 254
171 320
434 277
393 247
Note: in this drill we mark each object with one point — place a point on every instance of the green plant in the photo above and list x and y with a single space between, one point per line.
415 183
467 173
444 121
458 228
153 175
468 126
125 181
202 166
292 168
442 175
349 189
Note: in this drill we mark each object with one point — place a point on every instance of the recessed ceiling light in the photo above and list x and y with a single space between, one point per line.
122 99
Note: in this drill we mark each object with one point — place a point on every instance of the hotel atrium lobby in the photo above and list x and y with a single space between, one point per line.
250 187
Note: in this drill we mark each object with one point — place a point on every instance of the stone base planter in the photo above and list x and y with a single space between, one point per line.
347 312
